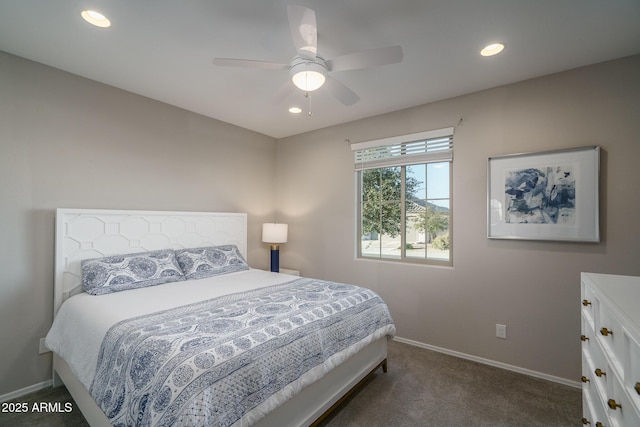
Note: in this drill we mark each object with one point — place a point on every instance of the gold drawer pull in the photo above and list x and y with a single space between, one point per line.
584 338
586 302
585 421
599 424
605 331
584 379
599 372
613 404
637 387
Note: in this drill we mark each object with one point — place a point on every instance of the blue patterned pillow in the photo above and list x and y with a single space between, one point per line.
198 263
130 271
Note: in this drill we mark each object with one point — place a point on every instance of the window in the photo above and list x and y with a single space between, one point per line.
404 197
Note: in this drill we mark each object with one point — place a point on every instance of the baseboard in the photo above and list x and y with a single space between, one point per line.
490 362
26 390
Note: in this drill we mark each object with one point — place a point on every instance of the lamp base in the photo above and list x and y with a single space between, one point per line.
275 258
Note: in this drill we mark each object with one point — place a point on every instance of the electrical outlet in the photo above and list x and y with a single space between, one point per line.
43 348
501 331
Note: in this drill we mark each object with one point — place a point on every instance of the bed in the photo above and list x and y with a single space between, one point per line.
240 347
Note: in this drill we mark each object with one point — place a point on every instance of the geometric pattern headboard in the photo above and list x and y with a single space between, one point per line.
94 233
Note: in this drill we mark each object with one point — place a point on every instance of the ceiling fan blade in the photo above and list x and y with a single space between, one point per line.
249 63
304 30
365 59
341 92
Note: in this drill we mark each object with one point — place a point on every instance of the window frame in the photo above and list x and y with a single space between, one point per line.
410 160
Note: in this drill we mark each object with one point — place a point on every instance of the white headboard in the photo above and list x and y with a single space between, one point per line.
94 233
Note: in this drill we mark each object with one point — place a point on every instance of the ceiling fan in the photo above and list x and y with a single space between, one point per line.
309 71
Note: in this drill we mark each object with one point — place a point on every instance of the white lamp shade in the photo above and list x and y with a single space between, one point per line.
274 232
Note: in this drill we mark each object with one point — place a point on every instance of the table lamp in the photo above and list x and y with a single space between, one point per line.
275 233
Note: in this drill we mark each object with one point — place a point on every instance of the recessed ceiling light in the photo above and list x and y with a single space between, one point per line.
295 110
492 49
95 18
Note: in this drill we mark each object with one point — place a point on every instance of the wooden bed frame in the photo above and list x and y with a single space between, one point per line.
91 233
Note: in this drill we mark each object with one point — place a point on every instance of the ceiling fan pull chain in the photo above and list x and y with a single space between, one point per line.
306 84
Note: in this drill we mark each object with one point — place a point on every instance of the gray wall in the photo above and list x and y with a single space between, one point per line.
532 287
66 141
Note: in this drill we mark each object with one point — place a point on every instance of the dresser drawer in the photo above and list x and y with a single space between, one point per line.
592 411
588 303
619 408
632 371
588 333
601 377
592 385
610 334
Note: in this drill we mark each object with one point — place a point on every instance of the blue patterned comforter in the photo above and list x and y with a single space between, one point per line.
212 362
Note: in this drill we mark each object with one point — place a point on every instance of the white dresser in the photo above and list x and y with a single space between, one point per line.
610 350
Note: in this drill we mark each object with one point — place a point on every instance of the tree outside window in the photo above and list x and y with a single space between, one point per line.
424 208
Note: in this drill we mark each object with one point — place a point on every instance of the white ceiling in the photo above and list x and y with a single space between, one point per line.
163 49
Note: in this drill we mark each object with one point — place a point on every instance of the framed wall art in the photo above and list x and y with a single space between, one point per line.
551 195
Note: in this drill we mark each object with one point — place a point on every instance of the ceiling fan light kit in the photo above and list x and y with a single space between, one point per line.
308 76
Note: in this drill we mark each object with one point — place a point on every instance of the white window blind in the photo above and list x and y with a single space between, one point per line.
423 147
